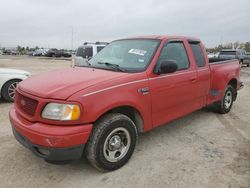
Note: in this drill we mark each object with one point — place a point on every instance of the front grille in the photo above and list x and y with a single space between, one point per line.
26 104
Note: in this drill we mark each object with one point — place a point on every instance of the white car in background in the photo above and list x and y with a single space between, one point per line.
9 78
213 55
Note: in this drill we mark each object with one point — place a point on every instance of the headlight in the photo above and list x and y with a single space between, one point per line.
57 111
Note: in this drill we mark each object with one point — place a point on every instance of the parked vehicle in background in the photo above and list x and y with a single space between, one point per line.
248 55
9 78
51 52
30 53
6 52
9 52
131 86
235 54
39 52
14 52
62 53
210 55
213 55
86 51
57 53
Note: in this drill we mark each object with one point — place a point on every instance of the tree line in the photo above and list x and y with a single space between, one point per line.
23 50
232 45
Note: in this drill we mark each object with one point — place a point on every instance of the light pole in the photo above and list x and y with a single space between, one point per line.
72 38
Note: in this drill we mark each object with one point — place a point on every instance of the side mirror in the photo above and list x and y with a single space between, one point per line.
168 66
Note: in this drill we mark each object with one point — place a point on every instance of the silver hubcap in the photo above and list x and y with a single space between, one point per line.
11 90
228 99
117 144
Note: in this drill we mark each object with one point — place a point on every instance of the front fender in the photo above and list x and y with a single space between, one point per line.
97 103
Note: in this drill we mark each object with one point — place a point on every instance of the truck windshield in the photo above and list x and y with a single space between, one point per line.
130 55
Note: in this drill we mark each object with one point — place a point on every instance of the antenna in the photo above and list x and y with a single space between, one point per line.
72 38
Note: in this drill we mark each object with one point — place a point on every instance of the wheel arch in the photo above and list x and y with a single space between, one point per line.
233 83
130 111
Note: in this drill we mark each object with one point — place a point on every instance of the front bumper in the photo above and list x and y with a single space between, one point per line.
50 154
53 143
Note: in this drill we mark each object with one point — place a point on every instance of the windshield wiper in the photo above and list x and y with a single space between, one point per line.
114 66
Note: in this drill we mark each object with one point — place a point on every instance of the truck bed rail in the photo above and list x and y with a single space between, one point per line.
217 60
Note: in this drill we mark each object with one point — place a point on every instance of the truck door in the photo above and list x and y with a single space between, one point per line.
172 94
203 73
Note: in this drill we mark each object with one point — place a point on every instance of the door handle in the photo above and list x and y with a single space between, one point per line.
193 79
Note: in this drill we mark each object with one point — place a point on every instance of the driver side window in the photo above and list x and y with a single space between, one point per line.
175 51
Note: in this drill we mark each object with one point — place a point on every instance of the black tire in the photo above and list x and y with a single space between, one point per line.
225 105
95 148
7 88
248 65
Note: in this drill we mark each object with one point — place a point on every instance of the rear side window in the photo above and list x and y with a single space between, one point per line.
88 52
175 51
85 52
79 52
198 54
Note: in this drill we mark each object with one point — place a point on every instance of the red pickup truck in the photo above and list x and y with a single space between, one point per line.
132 86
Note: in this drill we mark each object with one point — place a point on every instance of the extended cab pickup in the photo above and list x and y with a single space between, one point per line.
131 86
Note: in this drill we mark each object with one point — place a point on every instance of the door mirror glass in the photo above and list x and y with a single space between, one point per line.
168 66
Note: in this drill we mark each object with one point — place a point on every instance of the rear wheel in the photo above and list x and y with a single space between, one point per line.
225 105
8 90
112 142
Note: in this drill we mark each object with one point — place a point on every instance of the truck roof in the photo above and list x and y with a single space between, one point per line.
162 37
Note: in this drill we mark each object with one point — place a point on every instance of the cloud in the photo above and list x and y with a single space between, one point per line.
49 23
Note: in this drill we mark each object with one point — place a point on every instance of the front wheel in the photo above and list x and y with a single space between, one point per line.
112 142
225 105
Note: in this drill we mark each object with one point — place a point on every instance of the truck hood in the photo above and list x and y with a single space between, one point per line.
61 84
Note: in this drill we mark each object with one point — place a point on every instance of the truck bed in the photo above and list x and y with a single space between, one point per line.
221 73
219 60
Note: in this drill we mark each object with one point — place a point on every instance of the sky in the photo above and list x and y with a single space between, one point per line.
52 23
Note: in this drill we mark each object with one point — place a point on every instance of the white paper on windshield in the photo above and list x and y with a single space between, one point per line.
137 52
